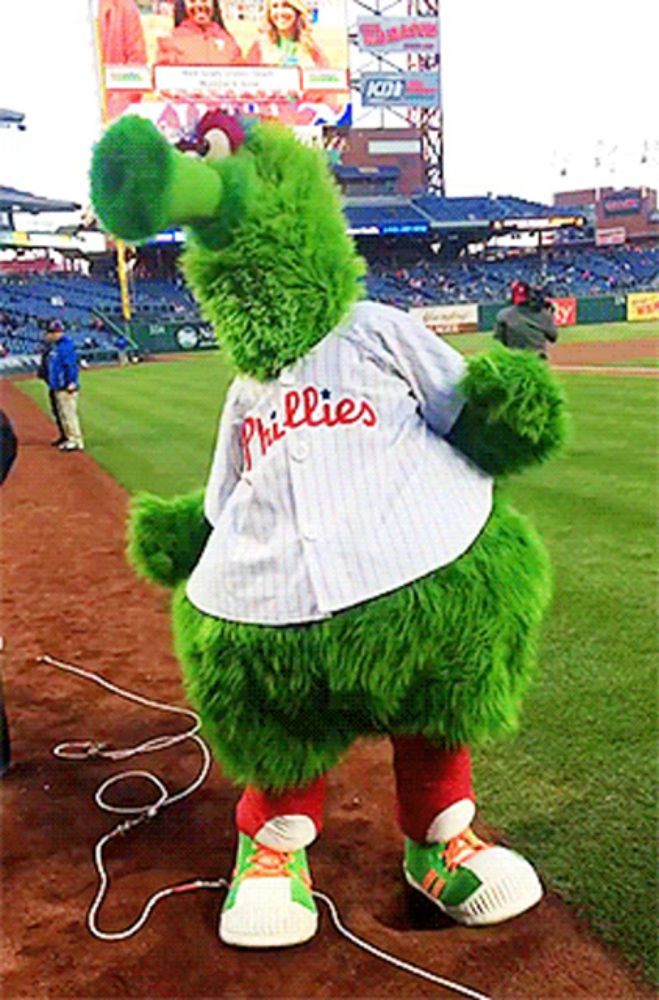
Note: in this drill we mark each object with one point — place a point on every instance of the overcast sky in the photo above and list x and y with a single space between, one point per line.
530 88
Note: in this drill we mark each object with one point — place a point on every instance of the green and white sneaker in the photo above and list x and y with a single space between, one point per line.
473 882
269 903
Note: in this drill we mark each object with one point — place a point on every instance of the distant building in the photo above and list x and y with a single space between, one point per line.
368 148
619 215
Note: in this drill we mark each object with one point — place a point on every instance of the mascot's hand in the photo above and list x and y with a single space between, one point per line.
166 537
514 415
141 185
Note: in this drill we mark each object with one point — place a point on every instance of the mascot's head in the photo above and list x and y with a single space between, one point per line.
267 254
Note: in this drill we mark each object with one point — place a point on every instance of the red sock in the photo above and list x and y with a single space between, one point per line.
255 807
428 779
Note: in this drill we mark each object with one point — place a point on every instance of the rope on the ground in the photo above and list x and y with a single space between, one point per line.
399 963
89 749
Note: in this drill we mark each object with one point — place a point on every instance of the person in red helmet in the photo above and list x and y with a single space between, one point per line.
528 322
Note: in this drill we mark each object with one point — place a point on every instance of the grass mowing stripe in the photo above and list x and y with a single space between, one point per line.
152 424
575 790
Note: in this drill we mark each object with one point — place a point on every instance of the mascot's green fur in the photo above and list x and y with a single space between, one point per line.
446 657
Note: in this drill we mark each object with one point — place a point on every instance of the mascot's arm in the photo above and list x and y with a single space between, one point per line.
514 414
166 537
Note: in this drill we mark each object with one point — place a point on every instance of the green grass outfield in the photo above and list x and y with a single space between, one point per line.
569 335
575 790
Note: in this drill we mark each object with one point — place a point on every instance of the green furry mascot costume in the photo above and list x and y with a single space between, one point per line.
349 569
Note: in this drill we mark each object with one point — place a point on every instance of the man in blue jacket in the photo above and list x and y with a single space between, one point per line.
63 382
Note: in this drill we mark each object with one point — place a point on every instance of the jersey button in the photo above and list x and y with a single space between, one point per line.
299 450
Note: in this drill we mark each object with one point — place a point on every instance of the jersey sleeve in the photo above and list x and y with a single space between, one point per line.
431 368
226 467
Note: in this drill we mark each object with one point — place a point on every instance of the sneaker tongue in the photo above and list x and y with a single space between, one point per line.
287 833
451 822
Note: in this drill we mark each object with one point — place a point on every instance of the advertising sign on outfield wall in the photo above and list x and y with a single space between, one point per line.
410 90
565 311
643 306
159 337
448 319
398 34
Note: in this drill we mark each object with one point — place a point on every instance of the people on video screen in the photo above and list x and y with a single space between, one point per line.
285 38
200 37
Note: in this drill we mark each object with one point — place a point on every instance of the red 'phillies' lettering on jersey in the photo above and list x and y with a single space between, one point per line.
304 409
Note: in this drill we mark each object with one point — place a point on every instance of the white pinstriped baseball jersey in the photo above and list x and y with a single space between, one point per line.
332 483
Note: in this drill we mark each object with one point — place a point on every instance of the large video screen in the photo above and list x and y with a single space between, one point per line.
170 60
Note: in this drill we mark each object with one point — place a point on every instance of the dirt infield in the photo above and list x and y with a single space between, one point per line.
572 357
603 352
67 591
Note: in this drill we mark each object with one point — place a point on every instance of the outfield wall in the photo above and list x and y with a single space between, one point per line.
633 307
157 336
569 310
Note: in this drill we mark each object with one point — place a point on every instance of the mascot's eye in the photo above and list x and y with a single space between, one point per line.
215 145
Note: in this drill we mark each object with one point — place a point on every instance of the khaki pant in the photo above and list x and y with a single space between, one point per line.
67 404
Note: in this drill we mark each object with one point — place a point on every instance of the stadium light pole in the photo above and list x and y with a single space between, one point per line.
427 121
126 309
12 119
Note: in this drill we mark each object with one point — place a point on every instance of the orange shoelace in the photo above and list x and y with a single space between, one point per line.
461 848
266 862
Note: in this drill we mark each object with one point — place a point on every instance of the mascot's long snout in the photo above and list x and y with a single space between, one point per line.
141 185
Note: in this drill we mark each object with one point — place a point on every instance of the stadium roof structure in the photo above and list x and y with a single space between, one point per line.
384 216
12 200
428 213
352 173
486 209
8 118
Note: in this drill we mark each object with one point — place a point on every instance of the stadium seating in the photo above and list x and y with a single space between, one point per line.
28 304
563 272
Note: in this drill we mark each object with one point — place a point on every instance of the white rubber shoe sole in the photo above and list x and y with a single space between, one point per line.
509 886
265 916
